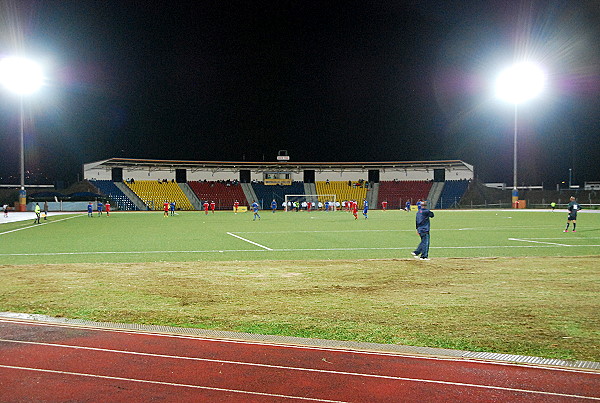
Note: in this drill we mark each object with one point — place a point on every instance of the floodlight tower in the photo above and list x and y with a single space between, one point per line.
22 77
517 84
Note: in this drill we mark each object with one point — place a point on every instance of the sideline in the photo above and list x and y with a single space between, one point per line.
142 252
39 225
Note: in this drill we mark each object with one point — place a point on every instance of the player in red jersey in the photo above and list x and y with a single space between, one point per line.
205 207
384 205
166 208
107 206
212 206
235 206
355 209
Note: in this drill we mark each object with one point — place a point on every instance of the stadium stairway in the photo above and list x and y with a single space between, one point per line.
311 189
373 196
189 193
249 192
131 195
112 191
435 193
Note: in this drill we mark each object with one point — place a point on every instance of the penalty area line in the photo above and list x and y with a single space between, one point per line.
532 241
249 241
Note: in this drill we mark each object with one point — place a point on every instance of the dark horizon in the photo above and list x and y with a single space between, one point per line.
395 81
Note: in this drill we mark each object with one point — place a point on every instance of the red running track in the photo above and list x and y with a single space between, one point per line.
57 362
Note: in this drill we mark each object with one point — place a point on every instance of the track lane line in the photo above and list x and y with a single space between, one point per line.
116 378
281 367
294 346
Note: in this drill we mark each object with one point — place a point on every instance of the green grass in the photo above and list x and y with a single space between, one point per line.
192 236
488 287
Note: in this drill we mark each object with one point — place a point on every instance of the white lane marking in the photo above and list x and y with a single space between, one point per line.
300 369
39 225
532 241
142 252
288 346
249 241
117 378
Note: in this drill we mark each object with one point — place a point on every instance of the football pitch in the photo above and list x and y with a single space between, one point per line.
224 236
499 281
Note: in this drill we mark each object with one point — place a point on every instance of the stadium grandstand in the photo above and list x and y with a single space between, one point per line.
155 193
343 190
452 193
223 193
114 193
146 184
265 193
397 193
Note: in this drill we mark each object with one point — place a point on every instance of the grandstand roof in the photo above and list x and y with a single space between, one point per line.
133 163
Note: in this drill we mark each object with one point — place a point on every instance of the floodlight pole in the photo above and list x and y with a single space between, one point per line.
515 192
22 111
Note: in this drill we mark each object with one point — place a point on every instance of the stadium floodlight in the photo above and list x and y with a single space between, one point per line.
23 77
517 84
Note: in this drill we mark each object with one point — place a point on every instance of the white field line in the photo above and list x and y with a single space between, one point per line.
591 237
390 230
249 241
182 385
280 367
532 241
142 252
39 225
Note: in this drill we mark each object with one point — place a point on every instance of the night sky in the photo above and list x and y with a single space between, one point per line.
327 81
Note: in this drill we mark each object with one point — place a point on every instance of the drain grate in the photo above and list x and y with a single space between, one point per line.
300 341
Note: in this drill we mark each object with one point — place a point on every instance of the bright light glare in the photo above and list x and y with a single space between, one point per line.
520 83
21 76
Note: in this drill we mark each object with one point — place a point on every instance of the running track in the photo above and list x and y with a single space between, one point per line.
56 362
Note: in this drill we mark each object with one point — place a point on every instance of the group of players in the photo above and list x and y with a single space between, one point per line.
100 207
351 206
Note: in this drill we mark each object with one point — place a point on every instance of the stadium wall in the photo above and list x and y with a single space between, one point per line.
222 171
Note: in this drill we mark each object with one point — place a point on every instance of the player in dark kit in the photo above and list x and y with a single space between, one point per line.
423 227
573 208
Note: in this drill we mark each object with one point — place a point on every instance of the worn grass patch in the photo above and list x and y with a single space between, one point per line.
541 306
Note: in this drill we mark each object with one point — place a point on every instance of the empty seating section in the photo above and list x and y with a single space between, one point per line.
154 194
224 194
115 194
266 193
453 191
342 191
397 193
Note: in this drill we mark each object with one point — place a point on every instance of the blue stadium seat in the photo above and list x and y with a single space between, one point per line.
109 189
453 191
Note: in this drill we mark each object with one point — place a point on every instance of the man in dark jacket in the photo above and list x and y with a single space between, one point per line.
423 227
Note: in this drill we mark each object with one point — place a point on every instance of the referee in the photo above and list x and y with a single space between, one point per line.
573 208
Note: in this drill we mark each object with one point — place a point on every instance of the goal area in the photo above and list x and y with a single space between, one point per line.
318 202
